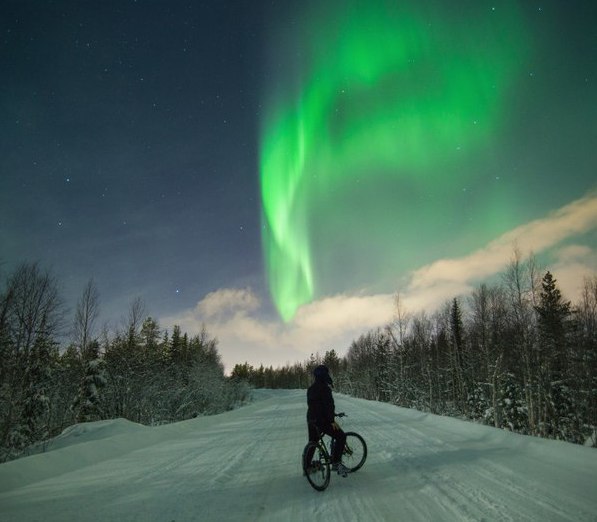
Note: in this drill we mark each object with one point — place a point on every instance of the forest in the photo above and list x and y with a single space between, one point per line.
514 354
137 371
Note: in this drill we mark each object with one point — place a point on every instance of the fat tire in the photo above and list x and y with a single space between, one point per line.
321 479
355 451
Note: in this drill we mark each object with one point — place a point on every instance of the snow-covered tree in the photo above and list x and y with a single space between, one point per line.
88 404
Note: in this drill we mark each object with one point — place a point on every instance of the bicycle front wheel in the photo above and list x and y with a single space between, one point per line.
317 469
355 451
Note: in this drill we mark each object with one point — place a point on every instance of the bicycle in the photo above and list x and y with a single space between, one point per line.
318 470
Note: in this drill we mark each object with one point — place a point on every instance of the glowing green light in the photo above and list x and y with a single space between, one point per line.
391 100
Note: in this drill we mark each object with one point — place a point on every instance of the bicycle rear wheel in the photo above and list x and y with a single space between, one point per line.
318 470
355 451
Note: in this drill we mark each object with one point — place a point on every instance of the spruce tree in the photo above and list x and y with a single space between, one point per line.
36 404
88 403
552 322
457 345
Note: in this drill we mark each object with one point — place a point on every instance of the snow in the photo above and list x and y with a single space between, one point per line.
245 465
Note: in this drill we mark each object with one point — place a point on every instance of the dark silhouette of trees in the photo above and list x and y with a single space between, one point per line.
138 372
514 355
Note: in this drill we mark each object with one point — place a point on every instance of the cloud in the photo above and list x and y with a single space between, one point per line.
244 335
446 277
343 312
574 263
236 318
227 301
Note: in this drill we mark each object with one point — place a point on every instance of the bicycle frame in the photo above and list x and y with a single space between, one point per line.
353 455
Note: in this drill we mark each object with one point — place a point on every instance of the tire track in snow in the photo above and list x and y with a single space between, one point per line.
418 455
245 465
466 479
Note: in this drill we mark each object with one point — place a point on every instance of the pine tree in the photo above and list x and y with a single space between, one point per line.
176 345
457 346
553 321
242 372
88 403
332 361
37 381
553 312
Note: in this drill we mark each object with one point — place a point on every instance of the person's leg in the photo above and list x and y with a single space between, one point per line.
313 437
313 432
339 442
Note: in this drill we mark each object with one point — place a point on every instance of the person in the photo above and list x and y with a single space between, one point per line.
320 417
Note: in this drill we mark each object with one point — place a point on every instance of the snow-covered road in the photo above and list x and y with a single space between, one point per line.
245 465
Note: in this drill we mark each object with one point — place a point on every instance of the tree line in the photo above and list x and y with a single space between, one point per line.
139 371
514 355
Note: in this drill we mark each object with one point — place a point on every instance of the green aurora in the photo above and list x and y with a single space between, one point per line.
373 136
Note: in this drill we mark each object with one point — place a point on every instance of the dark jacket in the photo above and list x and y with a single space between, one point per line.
320 404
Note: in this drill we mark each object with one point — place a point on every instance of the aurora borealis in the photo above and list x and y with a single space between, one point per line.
393 105
277 170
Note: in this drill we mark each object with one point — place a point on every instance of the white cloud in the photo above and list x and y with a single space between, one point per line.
226 301
344 312
318 326
576 218
573 264
234 315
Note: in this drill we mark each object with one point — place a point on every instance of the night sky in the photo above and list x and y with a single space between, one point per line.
276 170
